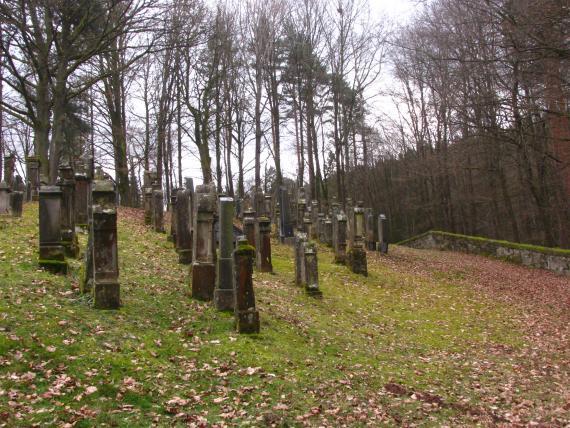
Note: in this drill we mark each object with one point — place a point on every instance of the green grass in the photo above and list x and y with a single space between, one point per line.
164 358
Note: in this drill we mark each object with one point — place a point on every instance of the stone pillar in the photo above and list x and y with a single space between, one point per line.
204 244
173 213
9 168
33 177
349 221
301 208
224 297
66 181
382 244
81 200
158 211
321 227
315 220
106 288
259 202
52 253
311 270
263 244
370 229
239 208
308 224
246 316
183 227
286 224
357 253
340 239
328 232
16 203
18 185
4 198
277 219
147 196
268 206
300 239
102 194
249 226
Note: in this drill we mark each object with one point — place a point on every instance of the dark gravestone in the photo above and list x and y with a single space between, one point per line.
370 222
158 211
286 223
106 288
173 213
183 226
16 203
263 244
81 200
33 177
300 239
382 244
52 253
339 243
246 315
357 253
66 181
224 297
249 226
4 198
204 245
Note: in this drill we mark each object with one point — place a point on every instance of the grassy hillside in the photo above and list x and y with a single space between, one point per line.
407 345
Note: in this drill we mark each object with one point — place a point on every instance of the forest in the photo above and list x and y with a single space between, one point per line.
455 118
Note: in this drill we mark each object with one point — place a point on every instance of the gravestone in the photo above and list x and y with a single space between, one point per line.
102 194
224 297
300 239
16 203
183 226
52 252
246 315
277 219
9 169
314 219
173 213
18 185
81 200
321 227
286 223
66 181
382 244
33 177
106 288
249 226
349 221
204 244
259 202
328 232
4 198
340 238
301 208
311 270
158 211
263 244
308 224
268 207
357 253
370 229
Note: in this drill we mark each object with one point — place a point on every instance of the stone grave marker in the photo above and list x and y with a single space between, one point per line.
224 297
52 252
245 312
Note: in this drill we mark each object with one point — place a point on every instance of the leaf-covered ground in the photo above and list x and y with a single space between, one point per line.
429 338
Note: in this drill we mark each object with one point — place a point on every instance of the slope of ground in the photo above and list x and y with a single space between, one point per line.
429 338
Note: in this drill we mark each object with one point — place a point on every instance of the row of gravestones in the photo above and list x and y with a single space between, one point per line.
12 189
225 278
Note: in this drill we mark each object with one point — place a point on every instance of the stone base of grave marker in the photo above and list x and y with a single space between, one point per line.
52 259
224 297
356 259
16 203
203 281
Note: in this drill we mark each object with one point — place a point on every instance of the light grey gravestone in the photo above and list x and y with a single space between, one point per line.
301 208
340 238
263 244
224 297
52 252
183 226
4 198
81 200
204 244
357 253
158 211
314 219
67 183
9 168
16 203
300 239
268 207
106 287
245 312
382 244
321 227
308 224
33 177
249 226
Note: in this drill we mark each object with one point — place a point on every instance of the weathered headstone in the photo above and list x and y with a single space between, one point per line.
224 297
18 185
9 169
106 288
370 229
249 226
321 227
173 213
4 198
382 244
183 226
301 208
246 315
308 224
81 200
340 238
66 181
259 202
315 220
328 231
158 211
311 270
263 244
268 207
16 203
349 221
204 244
286 224
52 253
300 239
33 177
357 253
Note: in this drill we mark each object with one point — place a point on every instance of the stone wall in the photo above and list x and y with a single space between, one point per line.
553 259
